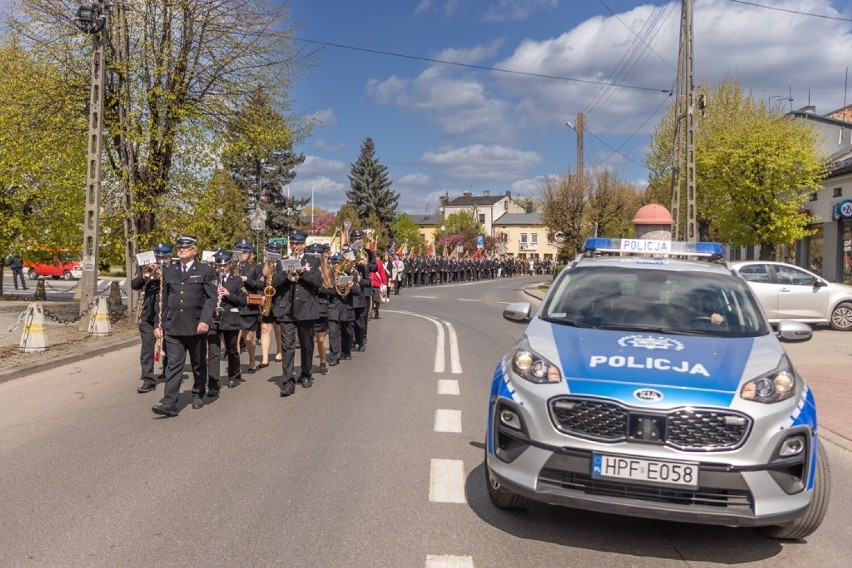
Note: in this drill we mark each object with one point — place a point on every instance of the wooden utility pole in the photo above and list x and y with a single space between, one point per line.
683 154
91 222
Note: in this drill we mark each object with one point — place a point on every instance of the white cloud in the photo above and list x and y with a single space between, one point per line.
325 117
482 163
470 55
413 179
313 166
504 10
447 7
324 146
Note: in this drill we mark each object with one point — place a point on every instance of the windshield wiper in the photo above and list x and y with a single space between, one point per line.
573 323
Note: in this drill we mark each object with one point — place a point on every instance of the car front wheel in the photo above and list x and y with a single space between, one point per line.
841 316
809 522
32 274
499 495
66 275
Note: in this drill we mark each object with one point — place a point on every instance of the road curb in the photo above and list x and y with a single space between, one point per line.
94 351
836 439
534 292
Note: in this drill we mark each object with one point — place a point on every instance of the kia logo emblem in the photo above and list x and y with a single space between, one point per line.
648 395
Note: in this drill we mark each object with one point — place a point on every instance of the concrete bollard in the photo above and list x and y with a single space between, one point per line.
78 290
115 295
99 324
33 338
40 291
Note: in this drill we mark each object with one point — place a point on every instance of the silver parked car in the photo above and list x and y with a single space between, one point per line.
789 292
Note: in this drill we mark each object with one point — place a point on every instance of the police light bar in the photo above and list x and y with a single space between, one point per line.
654 247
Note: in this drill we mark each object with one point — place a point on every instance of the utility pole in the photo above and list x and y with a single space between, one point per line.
91 19
683 155
579 130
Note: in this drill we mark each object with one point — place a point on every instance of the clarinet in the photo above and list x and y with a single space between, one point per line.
217 313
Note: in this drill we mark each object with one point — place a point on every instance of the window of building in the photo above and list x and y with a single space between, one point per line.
838 192
846 252
813 196
815 247
506 205
523 238
534 238
482 218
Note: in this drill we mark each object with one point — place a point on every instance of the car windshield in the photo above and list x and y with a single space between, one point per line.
68 257
665 301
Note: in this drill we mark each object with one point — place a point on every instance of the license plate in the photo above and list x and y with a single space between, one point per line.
652 471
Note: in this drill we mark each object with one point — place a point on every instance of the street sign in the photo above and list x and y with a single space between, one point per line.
559 237
480 241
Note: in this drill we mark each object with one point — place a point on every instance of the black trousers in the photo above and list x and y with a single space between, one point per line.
19 273
214 356
347 337
333 340
305 332
146 355
360 324
178 346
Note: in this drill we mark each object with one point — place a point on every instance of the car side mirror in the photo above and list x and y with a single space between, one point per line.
820 283
518 311
789 330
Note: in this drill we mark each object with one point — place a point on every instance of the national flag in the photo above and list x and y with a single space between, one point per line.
401 250
446 252
431 250
411 255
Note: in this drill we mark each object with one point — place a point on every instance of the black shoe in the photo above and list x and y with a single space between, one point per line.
161 376
323 368
333 362
251 371
233 383
361 348
197 402
165 410
288 388
147 386
262 365
212 393
307 383
347 356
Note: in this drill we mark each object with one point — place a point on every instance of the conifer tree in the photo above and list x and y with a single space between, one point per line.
370 187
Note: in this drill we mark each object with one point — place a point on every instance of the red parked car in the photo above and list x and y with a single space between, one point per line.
63 264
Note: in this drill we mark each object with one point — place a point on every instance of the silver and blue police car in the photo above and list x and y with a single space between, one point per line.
649 383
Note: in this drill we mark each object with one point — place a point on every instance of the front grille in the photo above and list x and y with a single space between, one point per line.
701 497
593 418
705 429
690 429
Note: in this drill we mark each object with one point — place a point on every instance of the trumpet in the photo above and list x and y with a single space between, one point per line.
152 270
293 274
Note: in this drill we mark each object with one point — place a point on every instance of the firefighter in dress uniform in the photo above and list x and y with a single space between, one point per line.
226 326
189 298
250 273
148 280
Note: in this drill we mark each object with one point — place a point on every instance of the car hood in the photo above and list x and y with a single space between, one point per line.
615 364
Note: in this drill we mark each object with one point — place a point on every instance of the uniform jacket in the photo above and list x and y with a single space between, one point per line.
231 304
363 289
297 301
188 298
150 296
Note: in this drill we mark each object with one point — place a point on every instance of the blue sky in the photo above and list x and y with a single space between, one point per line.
442 128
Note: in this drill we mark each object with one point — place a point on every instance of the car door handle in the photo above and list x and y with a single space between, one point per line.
784 290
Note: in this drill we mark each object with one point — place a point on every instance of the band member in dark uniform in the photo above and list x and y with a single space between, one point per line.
297 310
250 273
148 280
226 325
362 294
189 298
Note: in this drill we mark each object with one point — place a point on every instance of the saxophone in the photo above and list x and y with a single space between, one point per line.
269 291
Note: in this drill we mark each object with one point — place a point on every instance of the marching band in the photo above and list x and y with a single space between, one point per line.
314 301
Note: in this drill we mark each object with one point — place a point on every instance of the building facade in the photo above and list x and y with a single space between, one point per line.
523 235
485 207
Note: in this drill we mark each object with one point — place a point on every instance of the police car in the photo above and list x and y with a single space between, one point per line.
649 383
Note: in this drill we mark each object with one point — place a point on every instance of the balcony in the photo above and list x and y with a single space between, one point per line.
528 246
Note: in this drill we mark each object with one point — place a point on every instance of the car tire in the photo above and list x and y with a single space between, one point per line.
841 316
809 522
32 274
66 275
499 495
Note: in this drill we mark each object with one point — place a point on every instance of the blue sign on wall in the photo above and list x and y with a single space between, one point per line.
842 211
480 240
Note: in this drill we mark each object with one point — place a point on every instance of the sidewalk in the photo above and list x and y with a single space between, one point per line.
67 343
825 362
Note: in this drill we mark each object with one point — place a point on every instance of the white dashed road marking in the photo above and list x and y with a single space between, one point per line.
448 386
468 300
448 420
435 561
446 481
455 360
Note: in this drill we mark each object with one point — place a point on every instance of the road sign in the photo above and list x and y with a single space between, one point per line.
480 241
559 237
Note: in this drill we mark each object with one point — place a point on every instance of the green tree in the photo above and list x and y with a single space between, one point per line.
753 173
406 232
369 184
563 208
460 228
215 219
612 205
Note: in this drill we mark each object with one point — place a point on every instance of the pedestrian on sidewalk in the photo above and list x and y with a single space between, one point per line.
16 263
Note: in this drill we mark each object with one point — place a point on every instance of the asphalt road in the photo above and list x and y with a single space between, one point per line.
58 289
371 467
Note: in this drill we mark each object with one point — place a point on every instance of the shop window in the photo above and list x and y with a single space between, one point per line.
846 252
815 248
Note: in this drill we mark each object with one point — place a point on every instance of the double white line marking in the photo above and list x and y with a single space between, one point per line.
440 346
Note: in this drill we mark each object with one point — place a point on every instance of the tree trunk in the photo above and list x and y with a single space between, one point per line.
767 251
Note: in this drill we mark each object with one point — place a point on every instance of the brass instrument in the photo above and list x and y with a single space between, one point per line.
343 268
152 270
269 290
293 274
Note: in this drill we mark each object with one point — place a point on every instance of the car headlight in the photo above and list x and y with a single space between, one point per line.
532 366
775 386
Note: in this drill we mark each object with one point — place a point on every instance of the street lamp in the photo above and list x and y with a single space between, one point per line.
92 20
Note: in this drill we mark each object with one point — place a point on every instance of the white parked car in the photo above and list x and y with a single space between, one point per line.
790 292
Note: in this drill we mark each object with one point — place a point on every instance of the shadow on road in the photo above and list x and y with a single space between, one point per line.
617 534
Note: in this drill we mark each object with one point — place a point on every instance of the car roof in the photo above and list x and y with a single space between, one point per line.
654 264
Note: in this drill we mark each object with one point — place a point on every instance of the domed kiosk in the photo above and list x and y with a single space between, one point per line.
653 221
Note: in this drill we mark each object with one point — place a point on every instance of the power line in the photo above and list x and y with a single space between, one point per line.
797 12
626 157
481 67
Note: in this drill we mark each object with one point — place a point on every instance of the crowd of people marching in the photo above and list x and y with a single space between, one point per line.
313 299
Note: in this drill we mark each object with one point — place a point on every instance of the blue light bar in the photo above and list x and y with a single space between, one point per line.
654 247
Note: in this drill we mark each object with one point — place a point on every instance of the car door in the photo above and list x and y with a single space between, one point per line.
759 278
799 296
